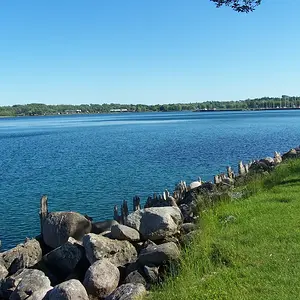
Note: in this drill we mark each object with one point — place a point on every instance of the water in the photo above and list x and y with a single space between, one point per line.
88 163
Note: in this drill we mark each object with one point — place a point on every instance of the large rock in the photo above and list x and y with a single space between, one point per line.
135 277
292 153
40 294
22 256
188 227
128 291
155 223
122 232
152 274
28 282
195 184
3 272
68 290
117 252
101 279
102 226
64 259
159 254
59 226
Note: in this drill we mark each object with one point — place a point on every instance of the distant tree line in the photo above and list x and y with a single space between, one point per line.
38 109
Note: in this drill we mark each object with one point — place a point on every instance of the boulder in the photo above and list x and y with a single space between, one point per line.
68 290
152 274
101 279
63 260
99 227
40 294
159 254
59 226
155 223
290 154
128 291
188 238
122 232
269 161
117 252
195 184
135 277
27 282
135 266
187 212
22 256
260 167
3 272
188 227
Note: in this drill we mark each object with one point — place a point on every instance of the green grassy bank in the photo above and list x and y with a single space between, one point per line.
247 248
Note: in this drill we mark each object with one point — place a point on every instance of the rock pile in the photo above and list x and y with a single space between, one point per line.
75 258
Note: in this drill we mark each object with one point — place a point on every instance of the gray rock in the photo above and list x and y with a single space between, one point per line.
188 238
152 274
106 234
188 227
135 266
29 281
128 291
40 294
122 232
159 254
187 212
268 160
155 223
68 290
292 153
59 226
22 256
101 279
260 167
99 227
3 272
195 184
117 252
64 259
135 277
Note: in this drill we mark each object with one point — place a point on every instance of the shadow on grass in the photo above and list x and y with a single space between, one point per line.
290 182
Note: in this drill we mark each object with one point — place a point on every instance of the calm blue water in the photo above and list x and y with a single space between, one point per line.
89 163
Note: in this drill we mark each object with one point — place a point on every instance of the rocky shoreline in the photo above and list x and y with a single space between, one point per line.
119 259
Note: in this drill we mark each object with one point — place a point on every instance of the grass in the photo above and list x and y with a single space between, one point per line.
247 248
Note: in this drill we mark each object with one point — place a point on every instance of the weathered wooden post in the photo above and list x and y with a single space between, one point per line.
165 195
230 173
241 169
116 214
136 203
43 211
124 211
217 179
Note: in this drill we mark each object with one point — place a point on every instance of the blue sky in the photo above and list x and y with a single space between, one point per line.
149 51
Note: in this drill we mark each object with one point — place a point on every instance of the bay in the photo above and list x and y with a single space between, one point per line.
89 163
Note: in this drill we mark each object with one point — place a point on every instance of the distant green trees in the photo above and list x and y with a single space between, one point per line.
39 109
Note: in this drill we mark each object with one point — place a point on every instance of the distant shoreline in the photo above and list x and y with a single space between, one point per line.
127 112
265 103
